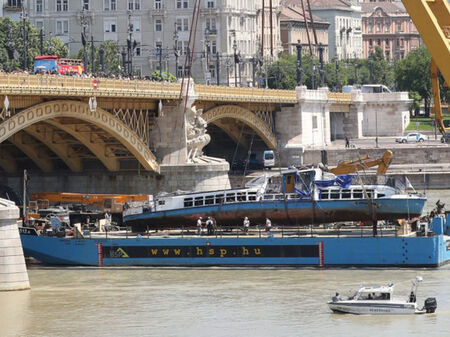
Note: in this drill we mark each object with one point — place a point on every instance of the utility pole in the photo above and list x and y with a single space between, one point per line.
299 63
176 52
25 38
101 54
236 61
337 77
84 24
160 62
130 45
253 70
41 41
124 61
218 67
321 65
371 67
92 55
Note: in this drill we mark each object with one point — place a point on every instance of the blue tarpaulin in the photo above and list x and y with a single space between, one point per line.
343 181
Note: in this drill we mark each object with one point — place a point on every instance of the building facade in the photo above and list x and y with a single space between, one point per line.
388 25
293 29
344 32
224 28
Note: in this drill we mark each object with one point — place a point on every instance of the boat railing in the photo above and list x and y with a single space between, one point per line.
256 230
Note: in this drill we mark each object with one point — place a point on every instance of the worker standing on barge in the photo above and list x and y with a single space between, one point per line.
199 226
246 225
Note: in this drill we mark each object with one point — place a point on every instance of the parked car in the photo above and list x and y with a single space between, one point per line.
412 137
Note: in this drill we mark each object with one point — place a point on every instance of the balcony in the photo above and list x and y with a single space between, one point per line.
210 31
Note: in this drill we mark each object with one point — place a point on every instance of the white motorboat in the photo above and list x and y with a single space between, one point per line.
380 301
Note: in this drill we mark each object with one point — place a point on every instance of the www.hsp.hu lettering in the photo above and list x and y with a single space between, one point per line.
211 251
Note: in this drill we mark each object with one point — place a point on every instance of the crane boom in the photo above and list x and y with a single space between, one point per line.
363 163
432 20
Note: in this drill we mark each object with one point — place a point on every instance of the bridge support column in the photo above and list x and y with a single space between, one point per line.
306 125
169 136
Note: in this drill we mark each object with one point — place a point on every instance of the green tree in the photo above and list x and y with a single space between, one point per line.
413 74
12 47
111 57
165 76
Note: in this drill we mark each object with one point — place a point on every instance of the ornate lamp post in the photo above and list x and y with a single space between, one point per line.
176 51
84 24
24 17
299 63
236 61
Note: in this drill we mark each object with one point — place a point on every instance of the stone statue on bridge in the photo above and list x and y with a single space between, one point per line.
197 138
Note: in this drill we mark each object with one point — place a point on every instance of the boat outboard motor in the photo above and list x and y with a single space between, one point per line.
430 305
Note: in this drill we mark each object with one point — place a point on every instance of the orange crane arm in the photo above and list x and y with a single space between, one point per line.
364 163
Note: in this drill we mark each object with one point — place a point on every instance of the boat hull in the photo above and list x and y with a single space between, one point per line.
289 213
373 307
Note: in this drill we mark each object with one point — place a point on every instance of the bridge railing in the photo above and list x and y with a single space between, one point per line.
222 93
102 86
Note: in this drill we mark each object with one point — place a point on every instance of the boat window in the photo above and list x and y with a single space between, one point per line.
279 197
241 196
251 196
334 195
268 197
380 195
346 194
219 198
188 202
324 195
209 200
357 194
370 194
198 201
161 202
231 197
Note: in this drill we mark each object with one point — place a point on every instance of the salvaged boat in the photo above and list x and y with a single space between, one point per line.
380 301
292 197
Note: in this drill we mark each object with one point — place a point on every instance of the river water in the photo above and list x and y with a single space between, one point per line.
215 301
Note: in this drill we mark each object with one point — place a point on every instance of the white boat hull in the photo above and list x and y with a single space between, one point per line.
373 307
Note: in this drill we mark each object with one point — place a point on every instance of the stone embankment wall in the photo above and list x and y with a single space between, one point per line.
413 155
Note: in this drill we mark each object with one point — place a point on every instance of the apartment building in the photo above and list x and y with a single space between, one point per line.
224 28
388 25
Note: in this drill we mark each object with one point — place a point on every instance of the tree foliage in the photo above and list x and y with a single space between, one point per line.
12 46
413 74
111 57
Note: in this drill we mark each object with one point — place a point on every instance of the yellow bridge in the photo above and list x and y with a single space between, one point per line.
59 119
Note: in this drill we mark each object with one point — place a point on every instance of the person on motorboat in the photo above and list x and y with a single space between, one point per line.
336 298
246 225
199 226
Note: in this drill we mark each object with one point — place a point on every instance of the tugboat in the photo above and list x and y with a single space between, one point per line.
380 301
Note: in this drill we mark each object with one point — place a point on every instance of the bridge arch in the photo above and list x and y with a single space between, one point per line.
80 110
246 116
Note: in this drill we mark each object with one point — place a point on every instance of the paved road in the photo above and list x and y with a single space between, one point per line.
385 142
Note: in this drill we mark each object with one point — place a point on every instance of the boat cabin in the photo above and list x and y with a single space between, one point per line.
384 293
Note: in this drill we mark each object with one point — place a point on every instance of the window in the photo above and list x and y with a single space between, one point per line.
314 122
213 47
219 199
209 200
182 24
182 4
198 201
61 5
211 24
210 4
231 197
158 4
370 42
38 6
86 5
158 25
39 25
62 27
136 24
188 202
15 3
399 26
378 27
110 26
346 194
110 5
134 5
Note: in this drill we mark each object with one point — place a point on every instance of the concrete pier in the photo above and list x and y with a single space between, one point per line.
13 272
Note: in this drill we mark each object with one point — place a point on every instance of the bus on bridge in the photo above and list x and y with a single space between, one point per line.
54 63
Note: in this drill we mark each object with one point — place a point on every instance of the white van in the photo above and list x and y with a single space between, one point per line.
374 89
269 159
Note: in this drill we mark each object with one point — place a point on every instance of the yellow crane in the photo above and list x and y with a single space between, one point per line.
363 163
432 19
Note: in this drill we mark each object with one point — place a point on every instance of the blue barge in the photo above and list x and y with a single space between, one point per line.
399 251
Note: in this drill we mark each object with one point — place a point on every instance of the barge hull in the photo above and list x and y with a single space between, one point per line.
300 251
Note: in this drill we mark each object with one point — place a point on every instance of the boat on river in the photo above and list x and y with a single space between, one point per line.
380 300
292 197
